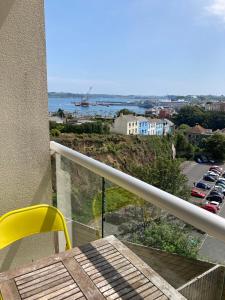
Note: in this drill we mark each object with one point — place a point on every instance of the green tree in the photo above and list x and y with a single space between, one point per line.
55 132
183 128
89 127
214 120
124 111
60 113
165 174
215 146
169 237
190 115
183 147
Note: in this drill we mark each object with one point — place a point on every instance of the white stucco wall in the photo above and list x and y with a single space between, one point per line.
120 126
24 140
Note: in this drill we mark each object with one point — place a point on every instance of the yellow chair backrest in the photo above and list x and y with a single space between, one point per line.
31 220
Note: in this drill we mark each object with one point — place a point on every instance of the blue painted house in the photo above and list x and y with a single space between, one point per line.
143 126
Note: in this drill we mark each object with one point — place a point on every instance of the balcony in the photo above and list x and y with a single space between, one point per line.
98 200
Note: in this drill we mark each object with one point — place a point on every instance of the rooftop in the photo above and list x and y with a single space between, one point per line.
197 129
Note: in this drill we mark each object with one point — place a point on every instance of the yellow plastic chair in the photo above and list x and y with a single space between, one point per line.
21 223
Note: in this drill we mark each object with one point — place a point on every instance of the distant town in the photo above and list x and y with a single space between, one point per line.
156 119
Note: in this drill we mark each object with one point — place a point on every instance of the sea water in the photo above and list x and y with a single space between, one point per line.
67 105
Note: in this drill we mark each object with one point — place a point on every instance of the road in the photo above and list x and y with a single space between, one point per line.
211 248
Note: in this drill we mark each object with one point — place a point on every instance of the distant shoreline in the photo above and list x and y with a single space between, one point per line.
71 95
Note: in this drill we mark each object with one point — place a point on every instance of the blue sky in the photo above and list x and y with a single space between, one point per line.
141 47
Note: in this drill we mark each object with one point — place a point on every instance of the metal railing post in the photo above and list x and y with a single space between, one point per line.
103 205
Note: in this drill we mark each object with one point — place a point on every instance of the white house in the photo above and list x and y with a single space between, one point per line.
168 127
152 126
56 119
125 124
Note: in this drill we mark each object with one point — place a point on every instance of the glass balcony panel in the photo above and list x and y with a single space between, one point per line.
95 207
75 190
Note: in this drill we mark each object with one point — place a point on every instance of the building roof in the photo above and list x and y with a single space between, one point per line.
142 119
169 122
153 120
197 129
128 118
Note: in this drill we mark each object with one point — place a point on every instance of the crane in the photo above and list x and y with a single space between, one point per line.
84 100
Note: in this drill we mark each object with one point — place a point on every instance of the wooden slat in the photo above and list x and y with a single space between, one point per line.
86 285
41 285
43 278
104 269
38 271
51 282
147 293
138 290
35 290
157 280
112 273
39 274
52 290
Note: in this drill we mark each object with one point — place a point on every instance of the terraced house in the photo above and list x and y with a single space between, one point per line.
143 126
133 125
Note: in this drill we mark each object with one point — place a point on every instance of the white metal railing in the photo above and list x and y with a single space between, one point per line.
206 221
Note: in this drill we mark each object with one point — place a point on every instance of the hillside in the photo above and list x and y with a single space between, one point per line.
117 150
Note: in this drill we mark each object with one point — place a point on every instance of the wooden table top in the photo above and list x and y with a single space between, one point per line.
103 269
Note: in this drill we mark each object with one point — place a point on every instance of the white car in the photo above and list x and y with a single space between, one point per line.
215 203
219 188
211 173
221 179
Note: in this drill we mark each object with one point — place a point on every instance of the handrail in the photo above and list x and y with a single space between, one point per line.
206 221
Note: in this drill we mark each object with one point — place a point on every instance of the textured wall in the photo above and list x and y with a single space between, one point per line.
207 286
24 138
175 269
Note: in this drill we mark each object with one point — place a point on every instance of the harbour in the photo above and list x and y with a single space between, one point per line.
101 107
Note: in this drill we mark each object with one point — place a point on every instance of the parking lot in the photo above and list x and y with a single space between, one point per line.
211 249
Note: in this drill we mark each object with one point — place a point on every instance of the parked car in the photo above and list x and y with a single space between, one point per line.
216 198
216 168
215 192
214 175
210 208
204 159
220 182
201 158
202 185
219 188
221 179
215 203
221 185
223 175
209 178
197 193
215 171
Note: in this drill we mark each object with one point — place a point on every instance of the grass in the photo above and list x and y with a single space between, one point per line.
116 198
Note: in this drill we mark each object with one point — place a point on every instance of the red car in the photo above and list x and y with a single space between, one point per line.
210 207
197 193
216 168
